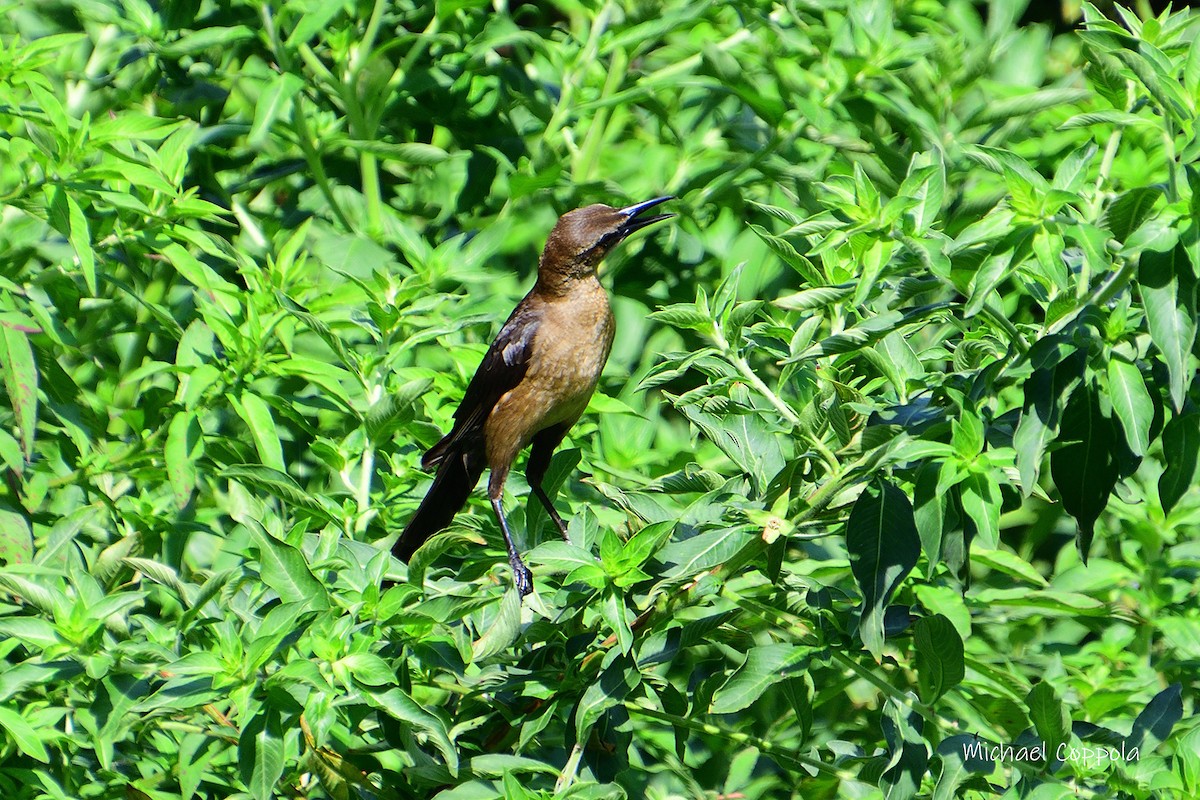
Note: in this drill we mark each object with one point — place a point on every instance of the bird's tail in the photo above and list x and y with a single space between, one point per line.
456 477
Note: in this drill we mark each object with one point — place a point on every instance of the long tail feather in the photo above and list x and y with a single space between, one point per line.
456 478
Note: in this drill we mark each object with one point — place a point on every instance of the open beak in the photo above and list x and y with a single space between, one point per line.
633 219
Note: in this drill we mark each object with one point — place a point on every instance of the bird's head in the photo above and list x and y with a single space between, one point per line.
582 237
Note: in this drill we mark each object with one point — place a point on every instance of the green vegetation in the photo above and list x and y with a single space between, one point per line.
923 332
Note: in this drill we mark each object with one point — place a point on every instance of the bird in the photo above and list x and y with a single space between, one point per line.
534 381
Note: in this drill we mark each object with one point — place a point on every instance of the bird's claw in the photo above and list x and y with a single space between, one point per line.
522 577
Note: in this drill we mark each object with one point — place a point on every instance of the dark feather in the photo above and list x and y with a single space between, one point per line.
502 368
452 485
459 456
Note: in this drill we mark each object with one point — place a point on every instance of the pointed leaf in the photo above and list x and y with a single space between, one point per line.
765 665
882 539
1131 402
1084 467
1168 287
261 753
21 383
285 569
1049 715
1153 725
940 665
1181 452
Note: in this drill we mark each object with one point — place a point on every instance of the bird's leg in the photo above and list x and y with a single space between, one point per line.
522 577
535 471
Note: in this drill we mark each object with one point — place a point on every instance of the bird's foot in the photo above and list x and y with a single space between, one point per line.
560 524
522 577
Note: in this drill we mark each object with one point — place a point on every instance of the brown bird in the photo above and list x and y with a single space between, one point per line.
535 380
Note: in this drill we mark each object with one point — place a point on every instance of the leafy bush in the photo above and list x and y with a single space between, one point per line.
927 317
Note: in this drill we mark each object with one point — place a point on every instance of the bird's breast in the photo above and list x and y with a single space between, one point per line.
570 350
568 353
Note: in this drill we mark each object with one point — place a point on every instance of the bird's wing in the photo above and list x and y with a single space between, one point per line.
502 368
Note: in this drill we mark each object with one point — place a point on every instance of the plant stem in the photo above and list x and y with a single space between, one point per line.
794 761
927 713
570 78
1014 335
300 125
748 373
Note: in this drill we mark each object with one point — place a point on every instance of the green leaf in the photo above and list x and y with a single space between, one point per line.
1084 467
394 410
81 241
961 755
1154 72
689 557
683 315
272 102
616 681
560 556
1181 452
926 185
255 412
369 669
1046 393
21 383
133 124
69 218
940 663
23 735
800 692
981 502
994 270
285 569
788 254
503 630
397 704
873 262
496 764
33 632
646 542
1131 402
316 17
1127 213
205 39
183 448
404 152
818 297
1117 119
1073 170
261 753
617 616
317 326
275 483
1026 104
929 512
1011 564
1048 602
1191 73
1153 725
909 752
765 665
1168 287
882 539
16 540
197 273
1049 715
746 438
1018 173
867 332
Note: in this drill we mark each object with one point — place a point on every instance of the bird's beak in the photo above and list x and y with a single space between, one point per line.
633 220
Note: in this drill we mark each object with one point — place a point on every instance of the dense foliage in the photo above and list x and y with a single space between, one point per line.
896 454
